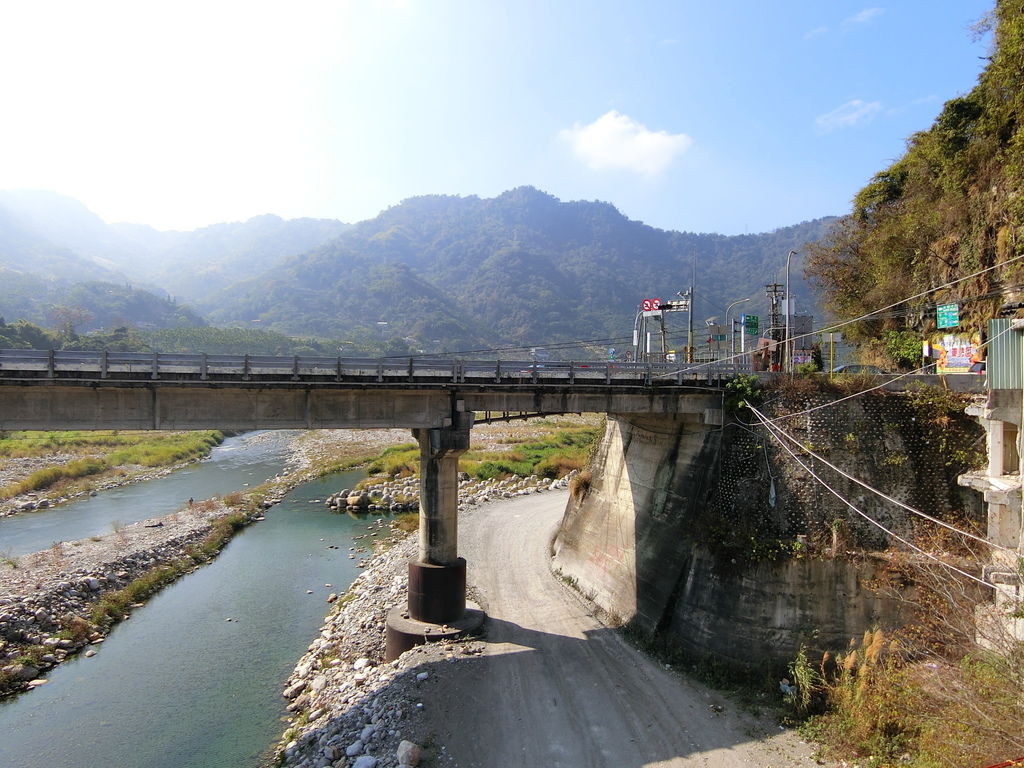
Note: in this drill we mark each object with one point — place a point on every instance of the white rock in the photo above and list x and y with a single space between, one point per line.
354 748
422 675
360 663
408 754
365 761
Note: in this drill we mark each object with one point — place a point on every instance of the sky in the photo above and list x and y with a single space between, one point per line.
730 116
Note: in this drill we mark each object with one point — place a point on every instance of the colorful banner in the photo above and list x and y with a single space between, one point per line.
956 352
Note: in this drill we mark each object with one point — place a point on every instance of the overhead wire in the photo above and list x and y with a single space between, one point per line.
867 315
884 384
870 519
770 423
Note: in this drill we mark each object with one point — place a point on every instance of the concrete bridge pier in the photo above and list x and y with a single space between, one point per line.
437 578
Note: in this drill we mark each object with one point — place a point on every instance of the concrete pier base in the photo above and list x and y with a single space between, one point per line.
404 632
436 607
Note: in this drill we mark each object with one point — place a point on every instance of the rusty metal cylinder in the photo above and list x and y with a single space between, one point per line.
437 593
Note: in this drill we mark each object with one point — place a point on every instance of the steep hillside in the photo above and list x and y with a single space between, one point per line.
521 268
87 306
951 206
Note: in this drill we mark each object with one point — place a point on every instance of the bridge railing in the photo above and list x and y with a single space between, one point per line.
50 364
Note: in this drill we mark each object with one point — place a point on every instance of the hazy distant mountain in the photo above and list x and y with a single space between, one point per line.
186 264
61 220
26 248
197 263
53 250
87 305
519 268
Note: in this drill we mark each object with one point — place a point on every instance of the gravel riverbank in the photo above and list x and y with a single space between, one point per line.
351 709
46 597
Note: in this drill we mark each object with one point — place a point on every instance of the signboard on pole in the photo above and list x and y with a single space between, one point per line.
956 352
650 305
751 323
947 316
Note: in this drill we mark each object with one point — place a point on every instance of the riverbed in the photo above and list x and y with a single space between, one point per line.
194 678
239 462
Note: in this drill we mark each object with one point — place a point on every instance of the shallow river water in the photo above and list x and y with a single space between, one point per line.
178 685
240 461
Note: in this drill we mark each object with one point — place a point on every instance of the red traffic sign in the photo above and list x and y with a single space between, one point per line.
650 305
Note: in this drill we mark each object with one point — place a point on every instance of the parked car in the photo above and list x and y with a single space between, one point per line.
872 370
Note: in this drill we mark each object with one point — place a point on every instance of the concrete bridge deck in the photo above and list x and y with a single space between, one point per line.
41 389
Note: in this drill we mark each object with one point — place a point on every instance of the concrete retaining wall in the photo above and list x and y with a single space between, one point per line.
689 530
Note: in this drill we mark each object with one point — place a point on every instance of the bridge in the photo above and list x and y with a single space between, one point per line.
435 398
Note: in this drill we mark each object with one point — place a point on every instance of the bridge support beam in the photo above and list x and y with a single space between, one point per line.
437 578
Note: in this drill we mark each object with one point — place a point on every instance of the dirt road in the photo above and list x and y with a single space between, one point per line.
555 687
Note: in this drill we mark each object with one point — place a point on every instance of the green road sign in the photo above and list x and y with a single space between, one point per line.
751 323
947 315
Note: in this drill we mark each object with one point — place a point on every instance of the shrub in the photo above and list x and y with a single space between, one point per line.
579 486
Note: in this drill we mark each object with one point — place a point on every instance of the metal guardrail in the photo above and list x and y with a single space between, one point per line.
35 364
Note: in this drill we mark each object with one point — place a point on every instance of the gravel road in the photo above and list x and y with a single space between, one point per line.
555 687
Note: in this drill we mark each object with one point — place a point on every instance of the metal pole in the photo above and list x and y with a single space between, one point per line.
636 336
787 364
732 332
689 335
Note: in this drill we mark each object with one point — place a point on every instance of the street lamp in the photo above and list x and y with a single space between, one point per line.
732 335
788 362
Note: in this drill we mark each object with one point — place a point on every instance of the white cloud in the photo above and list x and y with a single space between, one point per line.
816 32
863 17
617 141
854 112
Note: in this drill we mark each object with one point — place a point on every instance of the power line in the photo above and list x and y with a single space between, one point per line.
770 423
870 519
867 315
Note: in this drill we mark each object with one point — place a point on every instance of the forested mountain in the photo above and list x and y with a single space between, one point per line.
521 268
434 272
950 207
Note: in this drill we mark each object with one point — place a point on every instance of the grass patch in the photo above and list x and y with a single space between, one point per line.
397 461
149 449
43 478
407 522
553 456
172 448
876 703
112 606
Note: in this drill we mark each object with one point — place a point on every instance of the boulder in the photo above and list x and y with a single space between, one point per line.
408 754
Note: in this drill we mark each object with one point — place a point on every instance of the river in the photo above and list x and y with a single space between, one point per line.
178 685
238 462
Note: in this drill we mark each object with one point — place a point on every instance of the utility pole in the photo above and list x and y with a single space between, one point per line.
775 292
689 293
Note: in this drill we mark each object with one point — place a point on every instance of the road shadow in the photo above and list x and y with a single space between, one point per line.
540 698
